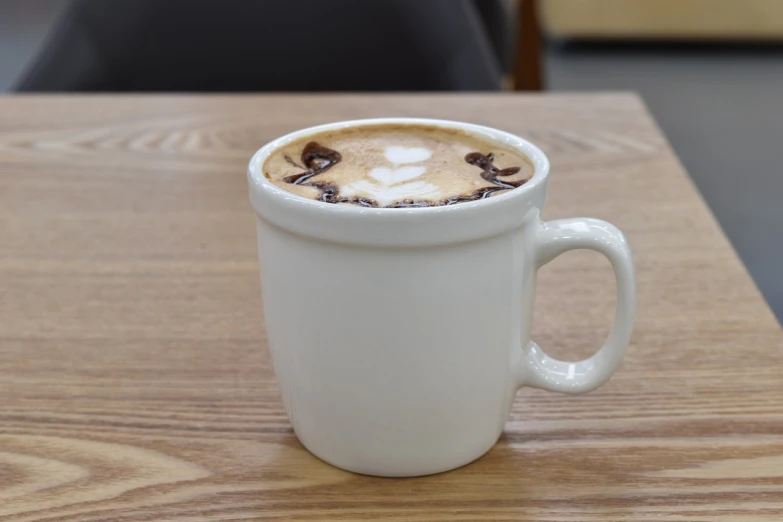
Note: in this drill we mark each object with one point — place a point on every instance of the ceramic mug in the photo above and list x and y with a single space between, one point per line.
399 337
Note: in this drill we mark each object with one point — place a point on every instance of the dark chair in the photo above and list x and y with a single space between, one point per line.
275 45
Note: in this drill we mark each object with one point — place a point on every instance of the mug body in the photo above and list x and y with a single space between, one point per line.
394 333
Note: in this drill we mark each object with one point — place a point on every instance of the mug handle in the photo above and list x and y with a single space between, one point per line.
557 237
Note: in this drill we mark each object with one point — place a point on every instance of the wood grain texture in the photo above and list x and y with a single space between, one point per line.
135 382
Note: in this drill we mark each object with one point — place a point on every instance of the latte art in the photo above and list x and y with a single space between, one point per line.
394 184
396 166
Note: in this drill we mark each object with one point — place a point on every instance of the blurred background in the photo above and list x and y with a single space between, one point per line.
711 71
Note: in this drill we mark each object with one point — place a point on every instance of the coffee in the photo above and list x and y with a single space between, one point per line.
396 166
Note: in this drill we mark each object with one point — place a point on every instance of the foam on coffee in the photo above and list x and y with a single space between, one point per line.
396 165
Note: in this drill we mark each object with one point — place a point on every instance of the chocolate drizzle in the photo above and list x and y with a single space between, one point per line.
491 172
318 159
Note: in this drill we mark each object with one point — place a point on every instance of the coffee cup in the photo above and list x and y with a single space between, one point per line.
400 336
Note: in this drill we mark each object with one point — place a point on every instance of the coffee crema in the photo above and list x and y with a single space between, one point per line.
396 166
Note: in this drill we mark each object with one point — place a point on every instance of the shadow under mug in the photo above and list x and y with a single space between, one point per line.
399 337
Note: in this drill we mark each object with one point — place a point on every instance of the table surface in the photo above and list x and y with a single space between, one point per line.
135 381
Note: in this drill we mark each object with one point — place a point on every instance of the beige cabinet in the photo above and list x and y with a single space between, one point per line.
663 19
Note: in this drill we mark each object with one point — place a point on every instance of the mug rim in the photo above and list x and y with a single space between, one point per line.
538 158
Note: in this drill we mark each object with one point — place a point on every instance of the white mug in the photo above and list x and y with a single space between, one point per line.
399 337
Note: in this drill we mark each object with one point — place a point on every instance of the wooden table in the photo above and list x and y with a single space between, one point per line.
135 382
